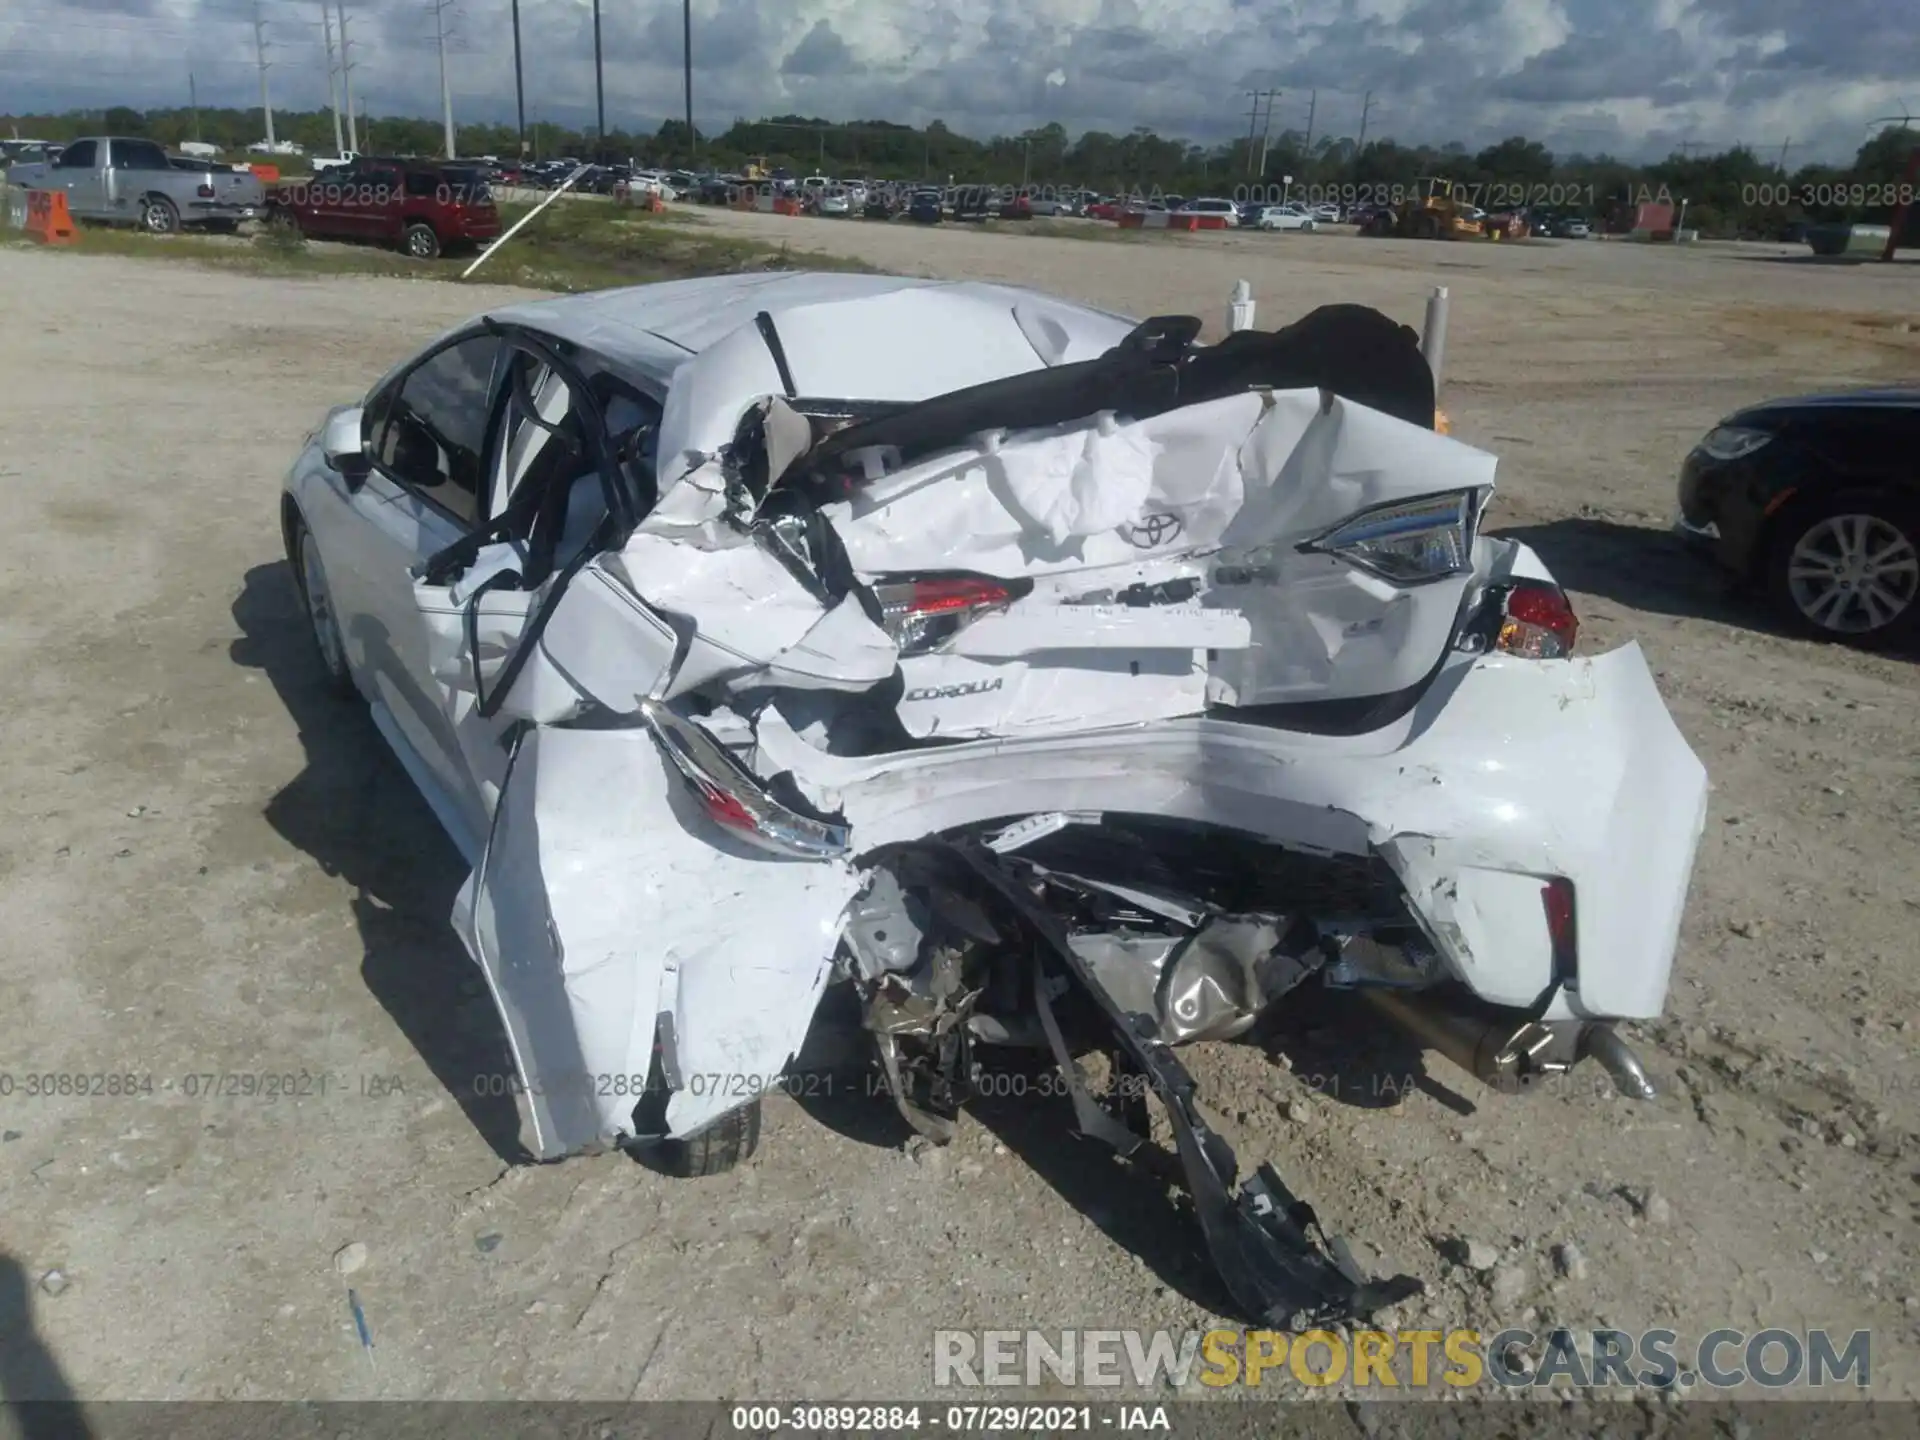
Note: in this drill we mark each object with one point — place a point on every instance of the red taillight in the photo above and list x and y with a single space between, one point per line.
724 809
1557 896
205 192
1539 624
920 613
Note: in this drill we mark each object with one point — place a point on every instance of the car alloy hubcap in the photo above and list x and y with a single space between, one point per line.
1853 573
421 245
157 220
320 607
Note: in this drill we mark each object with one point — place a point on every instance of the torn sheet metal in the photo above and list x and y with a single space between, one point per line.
743 606
1526 769
580 917
1267 1245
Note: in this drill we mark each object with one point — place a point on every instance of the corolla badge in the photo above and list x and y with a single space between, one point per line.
954 692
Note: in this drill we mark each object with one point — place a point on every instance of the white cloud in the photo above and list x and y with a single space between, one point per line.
1633 75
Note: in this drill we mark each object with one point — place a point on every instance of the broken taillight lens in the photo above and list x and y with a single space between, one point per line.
1557 896
733 796
1538 623
920 612
1409 542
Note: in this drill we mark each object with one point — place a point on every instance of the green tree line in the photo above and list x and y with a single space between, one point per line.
1736 192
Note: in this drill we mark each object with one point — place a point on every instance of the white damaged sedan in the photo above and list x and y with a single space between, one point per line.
1037 676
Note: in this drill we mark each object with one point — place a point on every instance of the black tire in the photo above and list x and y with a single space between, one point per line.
159 216
1870 545
309 577
420 242
728 1142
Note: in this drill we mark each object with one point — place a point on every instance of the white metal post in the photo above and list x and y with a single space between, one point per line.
1433 340
1240 308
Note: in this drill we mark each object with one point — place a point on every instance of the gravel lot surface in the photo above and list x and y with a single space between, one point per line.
212 869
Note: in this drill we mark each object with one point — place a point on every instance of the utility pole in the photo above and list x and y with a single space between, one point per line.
1253 121
519 85
1366 109
599 90
446 95
1266 134
193 101
1313 103
1785 146
260 53
346 79
333 74
693 140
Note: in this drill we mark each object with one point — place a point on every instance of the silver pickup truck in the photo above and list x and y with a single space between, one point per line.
135 182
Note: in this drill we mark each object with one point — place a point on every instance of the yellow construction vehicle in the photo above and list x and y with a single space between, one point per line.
1436 209
756 168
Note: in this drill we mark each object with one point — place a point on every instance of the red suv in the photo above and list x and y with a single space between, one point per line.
422 207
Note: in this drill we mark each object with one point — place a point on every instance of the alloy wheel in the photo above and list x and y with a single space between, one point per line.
326 629
1853 574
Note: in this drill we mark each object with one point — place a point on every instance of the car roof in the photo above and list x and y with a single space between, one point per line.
1886 398
885 338
692 315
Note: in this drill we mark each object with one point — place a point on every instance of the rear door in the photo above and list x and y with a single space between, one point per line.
81 173
427 432
519 623
379 203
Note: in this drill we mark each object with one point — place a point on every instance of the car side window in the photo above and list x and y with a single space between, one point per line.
78 156
421 184
139 155
429 432
554 456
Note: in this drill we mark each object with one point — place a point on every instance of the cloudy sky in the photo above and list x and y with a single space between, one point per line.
1636 77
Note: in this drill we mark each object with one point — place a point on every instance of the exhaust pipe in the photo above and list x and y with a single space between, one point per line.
1511 1056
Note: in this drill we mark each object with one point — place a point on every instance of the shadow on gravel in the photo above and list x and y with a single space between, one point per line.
1143 1212
836 1080
1656 572
1019 1101
35 1389
1647 569
354 810
1341 1052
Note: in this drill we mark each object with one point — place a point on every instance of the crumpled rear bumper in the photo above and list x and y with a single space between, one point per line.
611 901
1507 774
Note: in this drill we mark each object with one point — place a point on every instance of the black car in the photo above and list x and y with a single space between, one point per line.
925 207
977 202
1817 499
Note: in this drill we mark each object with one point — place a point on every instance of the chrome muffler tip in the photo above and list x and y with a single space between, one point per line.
1602 1041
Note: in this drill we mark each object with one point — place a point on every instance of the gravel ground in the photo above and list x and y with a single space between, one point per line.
211 868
